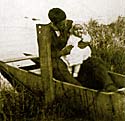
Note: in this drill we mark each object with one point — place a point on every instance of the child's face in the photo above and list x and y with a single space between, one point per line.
78 31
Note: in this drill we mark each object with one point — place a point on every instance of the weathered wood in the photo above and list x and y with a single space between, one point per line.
19 59
36 71
21 63
44 39
118 79
22 77
98 106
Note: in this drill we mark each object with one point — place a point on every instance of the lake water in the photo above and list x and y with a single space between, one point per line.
14 41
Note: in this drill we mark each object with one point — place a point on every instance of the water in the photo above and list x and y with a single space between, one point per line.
15 40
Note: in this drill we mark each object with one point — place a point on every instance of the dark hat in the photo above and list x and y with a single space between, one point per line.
56 15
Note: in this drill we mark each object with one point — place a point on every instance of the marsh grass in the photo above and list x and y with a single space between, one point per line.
19 106
108 43
24 106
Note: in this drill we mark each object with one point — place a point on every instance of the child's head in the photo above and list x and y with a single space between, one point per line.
77 30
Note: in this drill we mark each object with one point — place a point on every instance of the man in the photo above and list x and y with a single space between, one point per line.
60 25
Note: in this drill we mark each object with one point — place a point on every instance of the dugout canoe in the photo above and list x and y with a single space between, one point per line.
98 105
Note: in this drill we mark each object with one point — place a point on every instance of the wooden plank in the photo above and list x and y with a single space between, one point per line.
44 38
29 80
99 106
36 71
19 59
21 63
118 79
118 105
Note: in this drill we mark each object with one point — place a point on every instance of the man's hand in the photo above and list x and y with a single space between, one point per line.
65 51
83 44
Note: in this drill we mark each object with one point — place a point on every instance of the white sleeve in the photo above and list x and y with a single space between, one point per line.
86 38
86 53
71 41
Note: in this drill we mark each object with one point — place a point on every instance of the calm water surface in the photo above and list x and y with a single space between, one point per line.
14 41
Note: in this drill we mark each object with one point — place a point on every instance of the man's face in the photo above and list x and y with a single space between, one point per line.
64 25
61 25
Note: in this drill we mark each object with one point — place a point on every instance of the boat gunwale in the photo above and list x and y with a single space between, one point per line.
69 84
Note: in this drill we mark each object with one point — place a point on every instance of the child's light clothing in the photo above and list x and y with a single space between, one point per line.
86 38
77 55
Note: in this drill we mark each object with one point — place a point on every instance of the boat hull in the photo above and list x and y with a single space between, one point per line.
92 103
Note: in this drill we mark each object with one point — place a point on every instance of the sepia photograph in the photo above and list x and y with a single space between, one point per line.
62 60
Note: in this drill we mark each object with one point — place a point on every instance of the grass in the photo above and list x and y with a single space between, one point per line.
108 43
27 107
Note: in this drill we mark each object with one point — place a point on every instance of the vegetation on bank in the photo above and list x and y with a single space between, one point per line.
108 43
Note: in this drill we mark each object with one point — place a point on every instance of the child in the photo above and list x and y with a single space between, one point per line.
80 51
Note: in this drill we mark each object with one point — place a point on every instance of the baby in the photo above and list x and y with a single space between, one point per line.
80 51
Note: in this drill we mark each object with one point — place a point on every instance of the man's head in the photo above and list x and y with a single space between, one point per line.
56 15
58 19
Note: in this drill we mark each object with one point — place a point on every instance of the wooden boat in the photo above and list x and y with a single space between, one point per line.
23 73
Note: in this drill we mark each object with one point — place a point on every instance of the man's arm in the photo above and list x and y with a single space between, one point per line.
65 51
83 44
